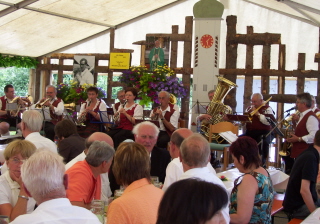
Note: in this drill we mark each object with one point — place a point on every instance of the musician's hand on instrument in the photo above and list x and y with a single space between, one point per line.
295 117
122 111
293 139
205 117
47 104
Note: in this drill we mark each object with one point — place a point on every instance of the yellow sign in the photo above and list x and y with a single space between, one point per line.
119 61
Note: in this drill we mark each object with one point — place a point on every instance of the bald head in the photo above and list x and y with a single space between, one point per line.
176 139
99 136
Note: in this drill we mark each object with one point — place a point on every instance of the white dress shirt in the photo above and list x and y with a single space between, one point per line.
105 183
175 170
204 173
41 142
312 127
58 211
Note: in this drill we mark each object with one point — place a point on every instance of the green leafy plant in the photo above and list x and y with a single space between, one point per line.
18 61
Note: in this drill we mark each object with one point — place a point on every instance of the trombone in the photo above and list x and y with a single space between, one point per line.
257 109
40 105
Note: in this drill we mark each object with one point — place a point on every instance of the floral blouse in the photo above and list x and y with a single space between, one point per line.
261 213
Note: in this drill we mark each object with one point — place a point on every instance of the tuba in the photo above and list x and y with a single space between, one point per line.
216 108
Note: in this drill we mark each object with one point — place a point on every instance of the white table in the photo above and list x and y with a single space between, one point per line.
279 179
313 218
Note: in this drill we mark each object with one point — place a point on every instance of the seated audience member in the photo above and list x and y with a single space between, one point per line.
140 200
195 155
193 201
31 125
127 115
70 144
301 197
168 116
44 180
174 169
89 112
84 176
252 194
105 184
14 200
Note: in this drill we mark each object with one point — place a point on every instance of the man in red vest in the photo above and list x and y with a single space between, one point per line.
260 127
56 108
5 119
168 115
314 107
306 127
121 97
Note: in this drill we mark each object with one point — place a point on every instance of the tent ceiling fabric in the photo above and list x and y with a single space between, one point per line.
304 10
47 25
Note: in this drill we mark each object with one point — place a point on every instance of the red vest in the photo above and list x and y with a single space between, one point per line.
3 107
256 124
124 122
95 110
316 110
301 130
167 116
55 118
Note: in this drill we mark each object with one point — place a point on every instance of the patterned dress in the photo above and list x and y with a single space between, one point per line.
261 213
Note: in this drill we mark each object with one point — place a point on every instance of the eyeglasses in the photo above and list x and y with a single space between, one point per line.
128 95
18 161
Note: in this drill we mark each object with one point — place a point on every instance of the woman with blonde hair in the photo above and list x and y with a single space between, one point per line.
140 200
14 201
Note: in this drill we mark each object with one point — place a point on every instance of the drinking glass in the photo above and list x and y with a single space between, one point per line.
97 208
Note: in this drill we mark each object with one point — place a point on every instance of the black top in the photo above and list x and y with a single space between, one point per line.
160 158
305 167
71 147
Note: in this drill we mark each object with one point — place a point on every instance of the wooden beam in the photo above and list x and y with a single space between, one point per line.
248 79
173 37
15 7
60 72
301 66
256 39
174 49
265 80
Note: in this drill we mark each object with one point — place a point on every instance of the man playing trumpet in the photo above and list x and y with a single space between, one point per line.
168 116
259 126
10 118
56 108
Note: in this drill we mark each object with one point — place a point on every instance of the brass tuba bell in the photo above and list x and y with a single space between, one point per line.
173 99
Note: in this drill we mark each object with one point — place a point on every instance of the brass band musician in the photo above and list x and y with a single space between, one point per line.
202 117
168 116
56 108
89 111
306 126
314 107
121 98
9 118
259 126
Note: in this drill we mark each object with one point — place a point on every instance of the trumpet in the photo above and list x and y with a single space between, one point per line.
22 102
257 109
156 116
116 117
40 105
287 122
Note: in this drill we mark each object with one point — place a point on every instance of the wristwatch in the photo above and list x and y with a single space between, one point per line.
299 139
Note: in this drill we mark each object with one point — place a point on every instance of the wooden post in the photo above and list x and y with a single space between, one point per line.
32 80
248 79
186 78
265 80
60 72
301 66
174 49
109 100
231 59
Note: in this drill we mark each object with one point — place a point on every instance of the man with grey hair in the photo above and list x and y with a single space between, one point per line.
105 184
84 176
31 125
260 127
44 179
195 155
56 108
168 116
146 134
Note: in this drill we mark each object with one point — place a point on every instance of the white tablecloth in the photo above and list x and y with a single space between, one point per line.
279 179
313 218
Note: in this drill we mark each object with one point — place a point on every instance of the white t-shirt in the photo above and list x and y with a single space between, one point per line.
9 192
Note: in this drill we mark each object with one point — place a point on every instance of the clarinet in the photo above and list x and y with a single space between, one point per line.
116 117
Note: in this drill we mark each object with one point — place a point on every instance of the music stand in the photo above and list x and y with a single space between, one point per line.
104 119
236 117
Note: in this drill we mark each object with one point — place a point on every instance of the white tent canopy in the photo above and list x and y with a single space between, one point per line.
40 27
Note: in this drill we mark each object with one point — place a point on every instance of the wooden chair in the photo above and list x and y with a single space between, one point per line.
218 128
277 205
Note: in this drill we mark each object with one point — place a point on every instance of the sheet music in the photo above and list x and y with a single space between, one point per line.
45 112
229 136
11 106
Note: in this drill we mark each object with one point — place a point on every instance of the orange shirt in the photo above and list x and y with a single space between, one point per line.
138 204
82 185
